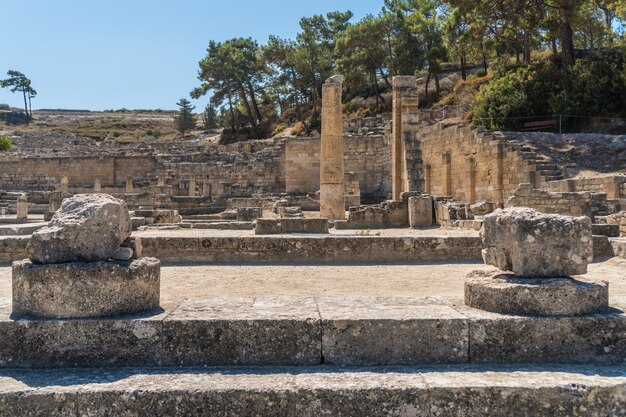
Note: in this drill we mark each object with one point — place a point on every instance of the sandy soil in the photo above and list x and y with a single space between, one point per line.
433 279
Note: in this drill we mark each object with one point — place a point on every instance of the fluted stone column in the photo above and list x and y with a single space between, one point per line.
332 179
404 121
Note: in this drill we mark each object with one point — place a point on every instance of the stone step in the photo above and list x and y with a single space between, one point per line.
307 331
324 391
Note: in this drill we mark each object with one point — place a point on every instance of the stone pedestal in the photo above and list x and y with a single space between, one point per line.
503 293
421 211
130 186
22 207
85 290
332 180
97 185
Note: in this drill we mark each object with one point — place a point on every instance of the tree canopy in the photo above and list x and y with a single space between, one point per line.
255 84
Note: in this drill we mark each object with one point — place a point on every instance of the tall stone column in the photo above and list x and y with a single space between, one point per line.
405 118
97 185
130 186
332 179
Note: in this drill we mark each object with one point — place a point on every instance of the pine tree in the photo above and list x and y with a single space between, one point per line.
185 120
209 117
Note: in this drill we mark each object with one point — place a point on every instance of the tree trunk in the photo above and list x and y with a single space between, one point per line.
25 104
437 84
526 47
232 112
242 94
485 62
254 103
567 41
463 68
555 51
30 106
426 88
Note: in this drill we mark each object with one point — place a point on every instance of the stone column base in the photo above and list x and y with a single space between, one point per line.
86 290
503 293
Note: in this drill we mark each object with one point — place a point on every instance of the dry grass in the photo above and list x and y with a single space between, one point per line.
126 127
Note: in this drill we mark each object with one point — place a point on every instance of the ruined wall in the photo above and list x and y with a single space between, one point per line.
565 203
368 157
472 165
44 173
614 186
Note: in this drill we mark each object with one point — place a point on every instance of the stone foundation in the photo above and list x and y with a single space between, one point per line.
507 294
287 225
84 290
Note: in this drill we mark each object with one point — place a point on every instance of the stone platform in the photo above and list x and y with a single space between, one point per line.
503 391
307 331
504 293
84 290
243 246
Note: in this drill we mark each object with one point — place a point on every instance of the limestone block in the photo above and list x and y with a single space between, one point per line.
84 290
247 214
421 211
507 294
532 244
22 207
87 228
291 225
243 331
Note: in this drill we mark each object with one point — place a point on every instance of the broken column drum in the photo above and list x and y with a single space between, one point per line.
537 255
71 274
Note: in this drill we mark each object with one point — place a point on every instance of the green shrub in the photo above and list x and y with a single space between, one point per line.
154 133
481 73
4 106
5 143
517 94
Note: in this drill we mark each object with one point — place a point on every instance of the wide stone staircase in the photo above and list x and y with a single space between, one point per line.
324 356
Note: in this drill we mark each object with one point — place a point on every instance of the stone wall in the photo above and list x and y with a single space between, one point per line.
44 173
367 157
614 186
565 203
471 165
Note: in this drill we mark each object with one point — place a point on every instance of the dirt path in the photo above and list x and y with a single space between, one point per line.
435 279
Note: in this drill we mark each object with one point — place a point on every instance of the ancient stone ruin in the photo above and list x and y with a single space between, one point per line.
84 264
543 251
312 275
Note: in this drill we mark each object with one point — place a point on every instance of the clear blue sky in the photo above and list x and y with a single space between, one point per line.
102 54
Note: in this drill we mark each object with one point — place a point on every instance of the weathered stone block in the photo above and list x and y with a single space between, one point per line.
289 225
421 211
507 294
247 214
82 290
357 331
87 228
532 244
243 331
